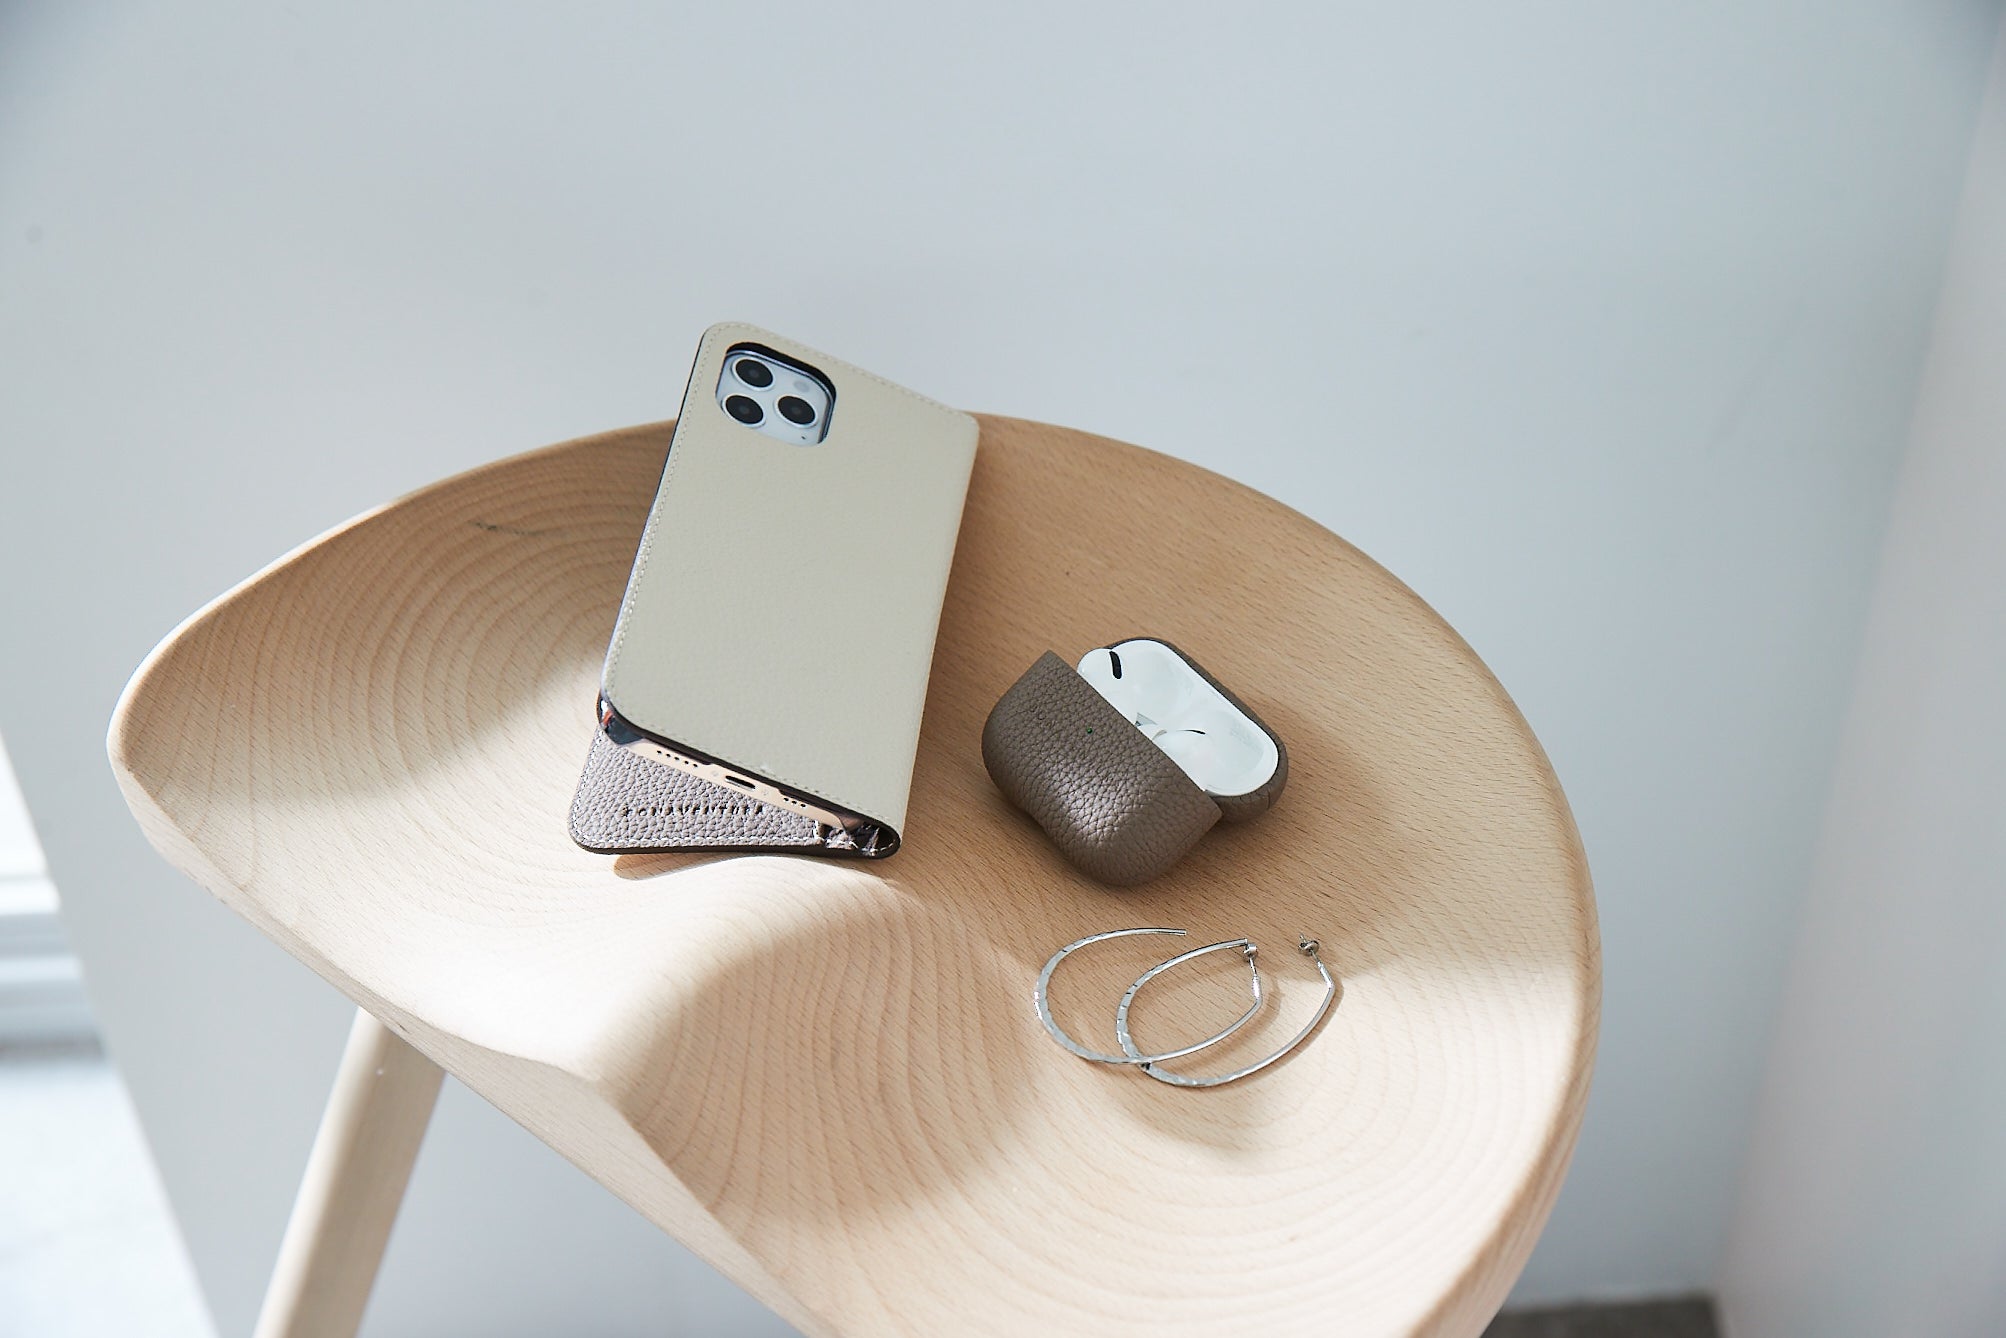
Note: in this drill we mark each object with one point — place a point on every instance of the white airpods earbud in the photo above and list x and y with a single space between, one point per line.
1212 741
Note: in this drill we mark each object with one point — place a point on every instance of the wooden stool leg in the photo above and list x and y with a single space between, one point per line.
355 1177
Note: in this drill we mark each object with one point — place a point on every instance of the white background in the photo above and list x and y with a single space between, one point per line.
1598 324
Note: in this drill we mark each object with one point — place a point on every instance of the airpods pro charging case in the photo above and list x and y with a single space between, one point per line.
1129 759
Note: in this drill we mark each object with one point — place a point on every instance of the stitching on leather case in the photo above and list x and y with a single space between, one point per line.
644 554
622 801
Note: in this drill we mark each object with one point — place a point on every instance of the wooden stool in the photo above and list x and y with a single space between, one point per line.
826 1077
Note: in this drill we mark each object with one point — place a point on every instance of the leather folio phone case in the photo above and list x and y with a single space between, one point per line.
766 676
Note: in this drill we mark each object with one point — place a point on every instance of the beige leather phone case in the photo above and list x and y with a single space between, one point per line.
781 613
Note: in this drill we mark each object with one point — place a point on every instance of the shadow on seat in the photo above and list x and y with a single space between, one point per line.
826 1077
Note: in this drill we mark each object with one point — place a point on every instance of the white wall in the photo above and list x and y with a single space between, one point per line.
1875 1198
1597 323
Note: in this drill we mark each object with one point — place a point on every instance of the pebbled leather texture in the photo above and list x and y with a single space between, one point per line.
1113 803
627 804
1240 807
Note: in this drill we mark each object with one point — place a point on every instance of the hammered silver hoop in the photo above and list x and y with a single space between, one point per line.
1308 947
1041 1000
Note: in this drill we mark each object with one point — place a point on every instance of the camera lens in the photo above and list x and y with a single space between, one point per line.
754 373
744 410
796 410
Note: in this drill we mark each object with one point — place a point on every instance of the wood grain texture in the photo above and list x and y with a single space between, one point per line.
362 1155
826 1078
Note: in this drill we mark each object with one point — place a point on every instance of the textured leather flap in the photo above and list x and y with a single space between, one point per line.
1112 802
629 805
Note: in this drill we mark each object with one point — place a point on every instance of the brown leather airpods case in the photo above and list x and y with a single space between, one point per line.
1113 801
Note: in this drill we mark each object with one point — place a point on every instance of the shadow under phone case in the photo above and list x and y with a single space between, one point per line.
781 613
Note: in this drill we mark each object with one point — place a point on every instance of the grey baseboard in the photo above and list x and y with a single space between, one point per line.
1680 1317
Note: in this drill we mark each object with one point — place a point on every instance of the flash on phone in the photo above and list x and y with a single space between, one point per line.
772 395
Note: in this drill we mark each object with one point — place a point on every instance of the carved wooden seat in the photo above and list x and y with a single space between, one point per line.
826 1078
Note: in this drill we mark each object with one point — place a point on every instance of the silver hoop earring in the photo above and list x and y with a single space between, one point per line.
1308 947
1040 999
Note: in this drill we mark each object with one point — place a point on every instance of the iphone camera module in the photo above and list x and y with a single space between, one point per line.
774 396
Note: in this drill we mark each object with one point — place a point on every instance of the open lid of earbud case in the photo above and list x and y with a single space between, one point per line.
1212 740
